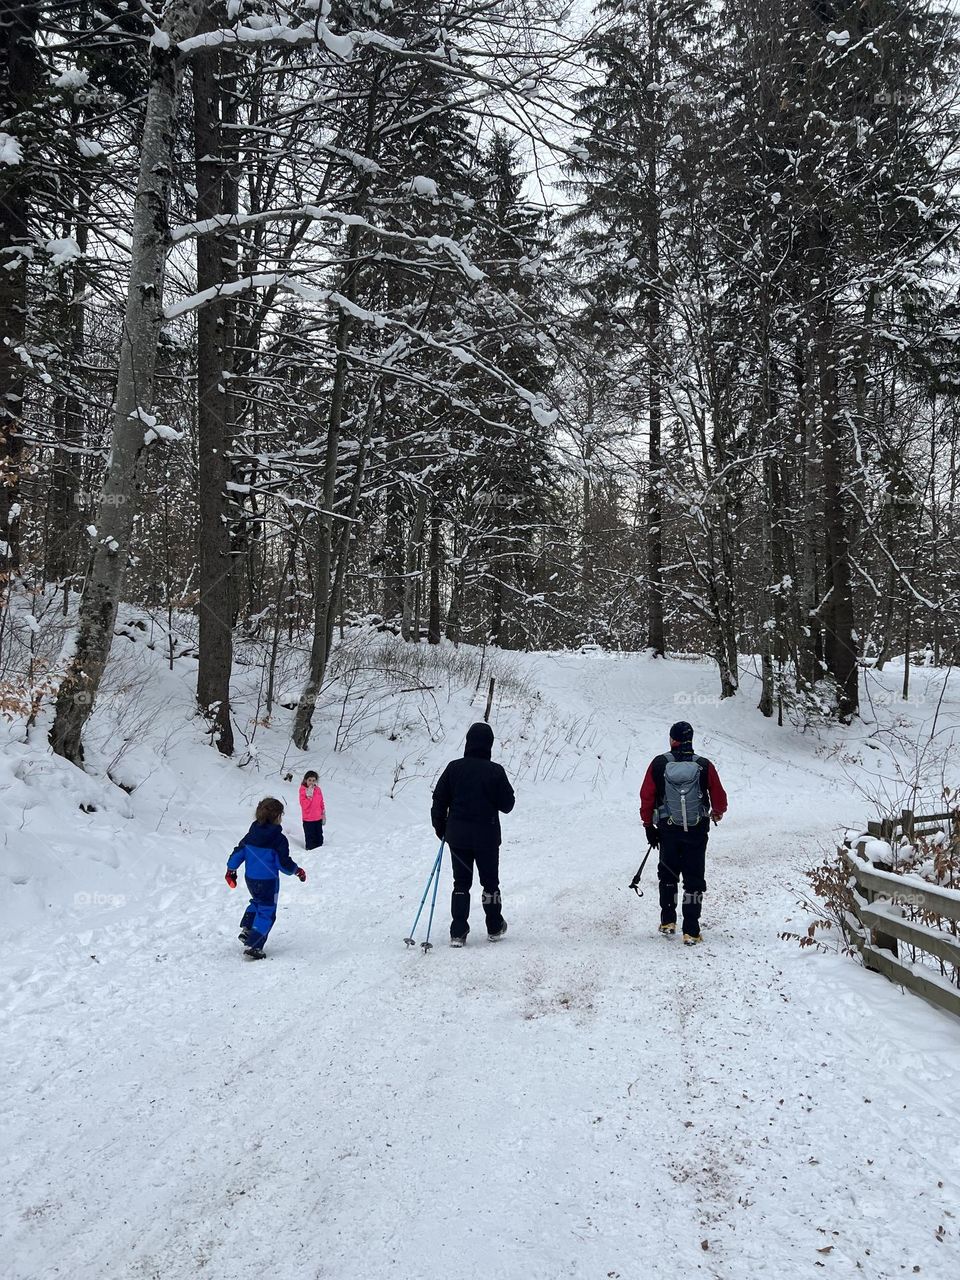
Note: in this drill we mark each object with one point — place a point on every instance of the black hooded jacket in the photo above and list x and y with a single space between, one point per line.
471 794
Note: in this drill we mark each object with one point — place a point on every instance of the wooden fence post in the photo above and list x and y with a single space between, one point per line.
486 714
879 939
906 824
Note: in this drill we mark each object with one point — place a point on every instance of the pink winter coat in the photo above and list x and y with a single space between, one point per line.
312 807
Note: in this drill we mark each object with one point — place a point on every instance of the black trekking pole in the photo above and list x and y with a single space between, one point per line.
635 882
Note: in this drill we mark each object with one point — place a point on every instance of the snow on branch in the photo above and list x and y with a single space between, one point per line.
263 280
316 32
321 213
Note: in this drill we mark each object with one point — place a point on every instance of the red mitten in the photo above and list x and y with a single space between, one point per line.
301 874
231 879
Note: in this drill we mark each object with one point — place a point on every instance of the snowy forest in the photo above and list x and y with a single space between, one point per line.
509 323
524 427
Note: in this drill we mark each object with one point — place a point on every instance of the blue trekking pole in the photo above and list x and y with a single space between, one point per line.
434 880
427 944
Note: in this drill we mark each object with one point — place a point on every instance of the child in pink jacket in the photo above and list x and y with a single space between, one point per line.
313 810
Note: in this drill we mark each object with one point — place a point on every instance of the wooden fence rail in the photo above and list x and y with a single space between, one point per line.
914 825
879 898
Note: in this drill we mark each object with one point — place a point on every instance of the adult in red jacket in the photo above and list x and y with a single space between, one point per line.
681 793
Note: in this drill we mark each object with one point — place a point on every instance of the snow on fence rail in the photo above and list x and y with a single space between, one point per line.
913 826
880 900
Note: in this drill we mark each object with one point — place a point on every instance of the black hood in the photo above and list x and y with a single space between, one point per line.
479 741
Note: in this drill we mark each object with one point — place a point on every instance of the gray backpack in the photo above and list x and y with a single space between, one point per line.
683 804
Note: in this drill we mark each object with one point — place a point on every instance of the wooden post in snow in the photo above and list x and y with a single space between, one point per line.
486 714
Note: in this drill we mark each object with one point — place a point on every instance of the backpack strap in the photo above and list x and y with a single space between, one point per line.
659 771
704 764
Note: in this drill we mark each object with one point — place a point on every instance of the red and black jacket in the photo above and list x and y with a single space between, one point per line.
651 790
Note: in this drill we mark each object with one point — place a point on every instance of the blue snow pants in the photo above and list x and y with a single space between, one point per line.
262 910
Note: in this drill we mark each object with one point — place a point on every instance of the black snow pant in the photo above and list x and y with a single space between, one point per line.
312 834
683 854
487 862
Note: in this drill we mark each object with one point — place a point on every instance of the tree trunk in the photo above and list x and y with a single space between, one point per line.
66 496
347 537
393 555
656 638
808 641
18 81
134 394
215 333
455 611
410 567
434 619
840 648
767 623
319 652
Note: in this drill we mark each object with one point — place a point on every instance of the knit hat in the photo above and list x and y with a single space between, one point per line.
681 732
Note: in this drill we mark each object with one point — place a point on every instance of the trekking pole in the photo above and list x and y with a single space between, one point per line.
635 882
427 944
435 873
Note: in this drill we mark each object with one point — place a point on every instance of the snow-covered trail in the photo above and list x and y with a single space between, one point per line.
582 1100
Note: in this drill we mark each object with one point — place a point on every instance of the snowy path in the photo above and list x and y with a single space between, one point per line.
583 1100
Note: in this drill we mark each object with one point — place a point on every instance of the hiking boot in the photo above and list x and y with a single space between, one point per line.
255 953
692 939
457 942
668 930
495 937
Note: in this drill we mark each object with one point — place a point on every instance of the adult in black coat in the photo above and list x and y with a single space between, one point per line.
467 802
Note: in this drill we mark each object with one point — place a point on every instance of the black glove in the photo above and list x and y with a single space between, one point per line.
653 835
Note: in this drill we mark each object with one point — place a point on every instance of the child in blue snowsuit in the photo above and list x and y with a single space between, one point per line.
266 853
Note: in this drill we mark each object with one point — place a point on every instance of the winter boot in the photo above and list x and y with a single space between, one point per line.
668 930
692 939
244 936
255 953
495 937
457 942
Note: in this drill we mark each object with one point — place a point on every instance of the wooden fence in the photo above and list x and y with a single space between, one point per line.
913 826
879 900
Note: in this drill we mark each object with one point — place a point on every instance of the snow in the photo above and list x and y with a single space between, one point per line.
877 851
11 152
259 280
582 1100
422 186
89 148
158 431
542 413
72 78
63 251
266 32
